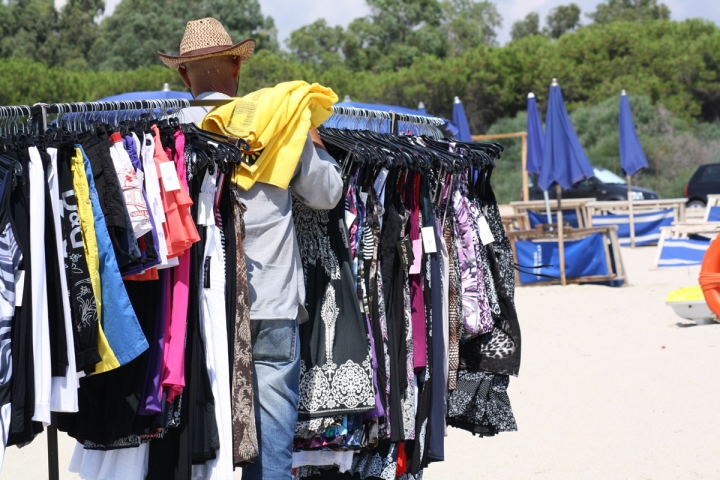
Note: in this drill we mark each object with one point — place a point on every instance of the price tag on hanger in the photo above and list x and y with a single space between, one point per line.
349 218
19 287
363 197
486 236
428 238
205 209
169 176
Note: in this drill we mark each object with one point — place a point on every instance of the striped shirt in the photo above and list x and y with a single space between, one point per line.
10 257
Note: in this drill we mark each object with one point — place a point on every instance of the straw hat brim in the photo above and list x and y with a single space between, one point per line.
242 50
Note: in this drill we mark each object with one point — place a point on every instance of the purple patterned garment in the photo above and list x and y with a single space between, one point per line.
486 320
476 320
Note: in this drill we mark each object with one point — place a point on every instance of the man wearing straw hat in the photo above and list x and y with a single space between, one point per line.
209 64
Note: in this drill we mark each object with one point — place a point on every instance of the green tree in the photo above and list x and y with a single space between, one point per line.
561 20
318 43
394 34
629 11
25 82
470 24
526 27
28 29
138 29
78 31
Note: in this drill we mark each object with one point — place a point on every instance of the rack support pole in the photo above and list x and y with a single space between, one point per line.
52 446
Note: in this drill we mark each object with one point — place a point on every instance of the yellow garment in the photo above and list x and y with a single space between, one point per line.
274 121
87 227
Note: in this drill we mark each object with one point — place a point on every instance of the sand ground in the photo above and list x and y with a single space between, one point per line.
613 385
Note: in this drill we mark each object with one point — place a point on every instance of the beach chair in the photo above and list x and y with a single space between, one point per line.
592 255
649 216
685 243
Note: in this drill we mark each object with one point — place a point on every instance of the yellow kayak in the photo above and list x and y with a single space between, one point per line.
689 303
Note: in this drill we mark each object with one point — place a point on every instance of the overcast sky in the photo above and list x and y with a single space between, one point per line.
291 14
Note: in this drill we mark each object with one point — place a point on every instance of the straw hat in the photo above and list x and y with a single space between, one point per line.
206 38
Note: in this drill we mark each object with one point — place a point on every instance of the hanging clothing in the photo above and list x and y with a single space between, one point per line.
131 187
480 404
90 245
22 429
214 335
433 296
83 312
120 324
63 390
244 430
41 322
335 372
96 148
10 261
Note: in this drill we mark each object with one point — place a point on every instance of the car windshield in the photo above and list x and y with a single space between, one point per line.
608 177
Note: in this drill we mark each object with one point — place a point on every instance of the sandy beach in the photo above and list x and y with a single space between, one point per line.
613 385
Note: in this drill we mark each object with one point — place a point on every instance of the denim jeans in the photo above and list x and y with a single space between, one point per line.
276 373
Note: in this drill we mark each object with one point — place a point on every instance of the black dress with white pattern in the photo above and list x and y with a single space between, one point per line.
336 371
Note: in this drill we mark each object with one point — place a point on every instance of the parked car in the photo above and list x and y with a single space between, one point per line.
705 181
604 186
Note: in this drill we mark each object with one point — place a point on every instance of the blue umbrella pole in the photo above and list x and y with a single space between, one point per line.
561 240
630 212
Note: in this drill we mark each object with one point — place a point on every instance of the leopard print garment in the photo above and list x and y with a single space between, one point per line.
454 342
245 444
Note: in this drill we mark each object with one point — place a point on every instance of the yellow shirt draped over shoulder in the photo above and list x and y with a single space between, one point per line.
275 122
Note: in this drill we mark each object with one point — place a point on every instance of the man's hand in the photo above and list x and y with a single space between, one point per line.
317 141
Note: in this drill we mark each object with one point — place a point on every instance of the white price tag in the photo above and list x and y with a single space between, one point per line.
428 238
205 209
486 236
349 218
169 176
363 197
19 287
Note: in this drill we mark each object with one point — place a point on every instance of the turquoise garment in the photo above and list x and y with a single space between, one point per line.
119 321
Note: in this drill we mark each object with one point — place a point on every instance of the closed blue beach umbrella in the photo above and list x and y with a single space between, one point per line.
535 146
460 121
535 137
564 161
632 156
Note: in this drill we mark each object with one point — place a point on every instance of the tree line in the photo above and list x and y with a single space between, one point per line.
405 52
391 37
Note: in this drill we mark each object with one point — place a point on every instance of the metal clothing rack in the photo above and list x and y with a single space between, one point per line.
390 121
38 116
40 111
